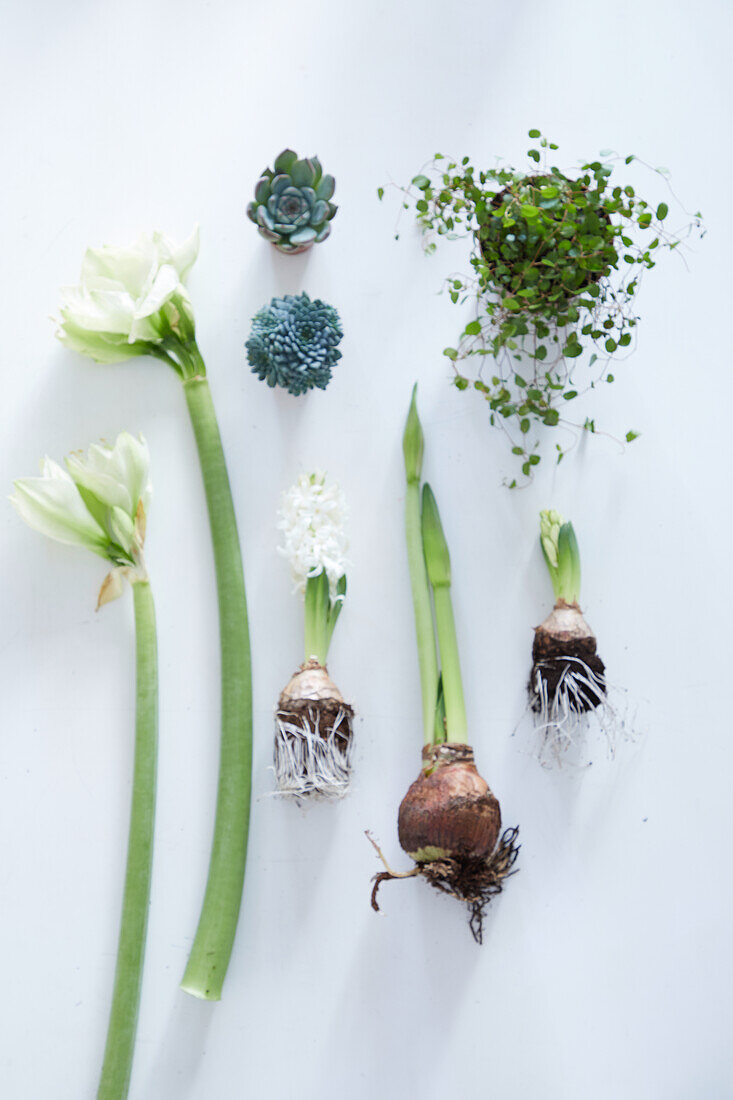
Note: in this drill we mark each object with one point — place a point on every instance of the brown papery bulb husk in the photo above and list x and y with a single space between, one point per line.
313 736
567 673
449 823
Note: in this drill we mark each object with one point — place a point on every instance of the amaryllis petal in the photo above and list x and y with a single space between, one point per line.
122 292
53 505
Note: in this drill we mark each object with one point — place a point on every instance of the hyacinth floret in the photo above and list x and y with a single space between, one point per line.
293 343
312 519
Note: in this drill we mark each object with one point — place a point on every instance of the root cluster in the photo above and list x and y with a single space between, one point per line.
312 753
473 881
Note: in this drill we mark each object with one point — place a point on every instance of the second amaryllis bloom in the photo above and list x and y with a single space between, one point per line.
313 722
100 502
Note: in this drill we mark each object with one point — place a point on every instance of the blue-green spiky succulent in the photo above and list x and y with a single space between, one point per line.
292 206
293 343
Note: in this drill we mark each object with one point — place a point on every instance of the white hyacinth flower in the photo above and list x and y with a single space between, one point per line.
311 519
99 502
128 298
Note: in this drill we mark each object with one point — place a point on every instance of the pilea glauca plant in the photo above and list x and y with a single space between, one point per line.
555 265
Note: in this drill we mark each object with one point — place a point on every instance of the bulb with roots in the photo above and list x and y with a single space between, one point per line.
568 679
449 824
313 736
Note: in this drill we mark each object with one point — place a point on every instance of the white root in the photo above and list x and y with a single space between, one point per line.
565 717
307 763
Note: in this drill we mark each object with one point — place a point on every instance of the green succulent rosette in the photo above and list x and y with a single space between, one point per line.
292 206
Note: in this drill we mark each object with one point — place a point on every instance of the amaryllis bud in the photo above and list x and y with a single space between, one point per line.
449 812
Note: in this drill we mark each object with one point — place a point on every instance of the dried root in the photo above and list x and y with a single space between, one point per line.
474 881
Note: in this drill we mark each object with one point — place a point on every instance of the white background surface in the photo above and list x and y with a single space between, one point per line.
605 970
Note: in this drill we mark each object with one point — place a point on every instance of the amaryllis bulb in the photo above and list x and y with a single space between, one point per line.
449 812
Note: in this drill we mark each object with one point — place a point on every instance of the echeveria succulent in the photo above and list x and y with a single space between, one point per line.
292 206
293 343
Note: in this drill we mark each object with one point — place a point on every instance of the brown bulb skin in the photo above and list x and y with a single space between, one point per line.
449 812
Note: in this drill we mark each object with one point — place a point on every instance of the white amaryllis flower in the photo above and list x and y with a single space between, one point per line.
53 505
128 298
311 519
100 502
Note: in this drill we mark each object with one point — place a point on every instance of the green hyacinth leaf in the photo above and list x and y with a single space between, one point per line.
326 187
285 161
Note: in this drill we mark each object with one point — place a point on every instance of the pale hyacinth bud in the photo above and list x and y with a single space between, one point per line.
550 523
311 518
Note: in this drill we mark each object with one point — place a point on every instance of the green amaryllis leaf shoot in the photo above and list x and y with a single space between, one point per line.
437 559
568 676
134 301
313 723
413 444
100 501
449 822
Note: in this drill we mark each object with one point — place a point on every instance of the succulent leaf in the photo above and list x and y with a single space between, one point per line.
285 161
262 189
326 187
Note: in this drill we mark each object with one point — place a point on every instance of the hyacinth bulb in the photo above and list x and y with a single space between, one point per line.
567 673
313 736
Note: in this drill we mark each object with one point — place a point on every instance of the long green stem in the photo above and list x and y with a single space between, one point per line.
212 946
117 1066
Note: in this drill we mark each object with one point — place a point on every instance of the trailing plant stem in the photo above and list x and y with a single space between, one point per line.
212 946
455 707
424 628
119 1049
